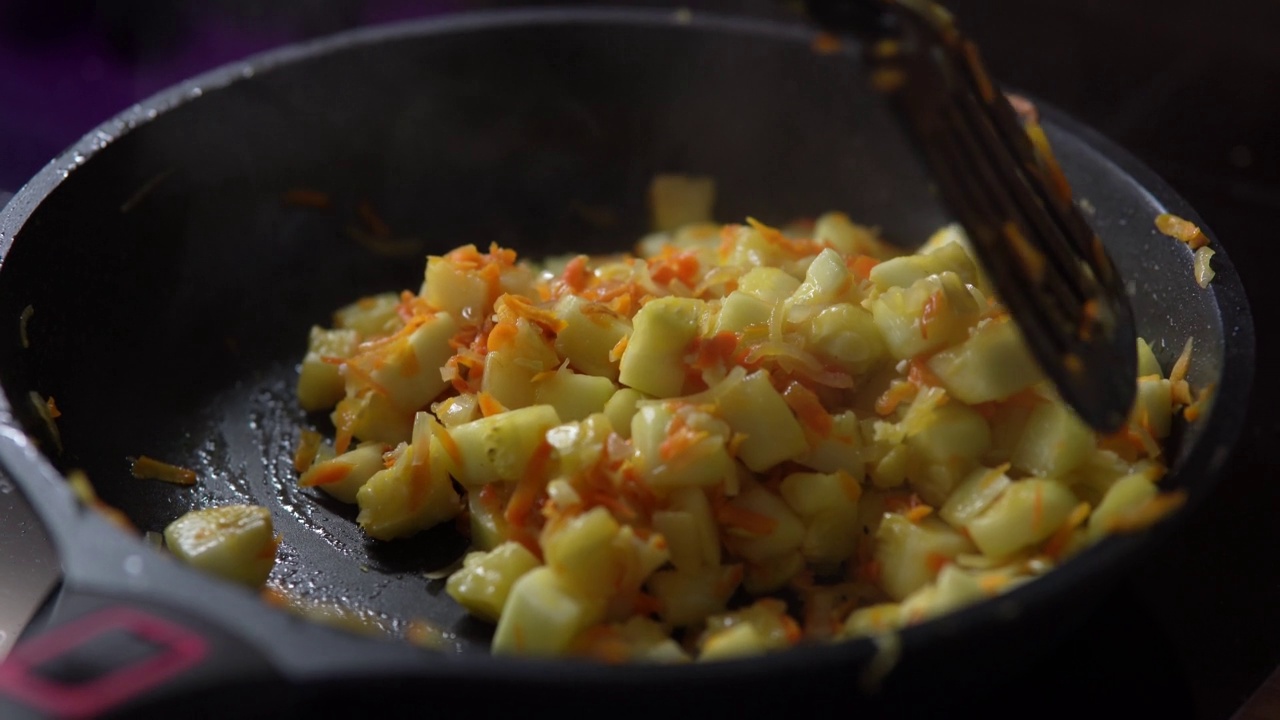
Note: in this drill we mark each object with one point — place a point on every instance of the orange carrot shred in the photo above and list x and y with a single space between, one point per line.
145 468
749 521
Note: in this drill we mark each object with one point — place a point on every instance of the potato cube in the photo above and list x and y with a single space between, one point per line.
663 329
320 383
847 336
992 364
498 448
1127 494
372 316
740 311
910 553
410 496
510 368
590 333
621 408
753 408
1054 442
573 396
409 367
688 598
484 581
786 535
931 314
345 474
542 616
1027 512
234 542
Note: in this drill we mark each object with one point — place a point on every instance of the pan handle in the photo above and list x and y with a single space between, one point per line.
102 654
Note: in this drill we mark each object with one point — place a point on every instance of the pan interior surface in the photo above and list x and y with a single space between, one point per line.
172 281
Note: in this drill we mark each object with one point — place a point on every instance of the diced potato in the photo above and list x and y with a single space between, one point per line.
590 333
768 284
933 313
234 542
680 531
345 474
826 281
841 449
409 367
459 291
484 581
1027 512
740 311
1007 425
679 200
1153 408
771 629
653 361
847 237
542 616
637 640
910 554
750 248
905 270
1147 362
974 495
687 598
693 501
489 527
873 619
320 384
581 551
754 409
992 364
891 470
773 574
673 454
945 449
621 408
457 410
509 370
410 496
498 448
953 589
1054 442
786 535
1128 493
372 316
828 504
374 418
737 641
845 335
573 396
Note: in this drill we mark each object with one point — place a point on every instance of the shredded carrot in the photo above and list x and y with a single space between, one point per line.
1181 230
824 43
303 197
861 266
749 521
327 474
672 264
308 446
372 221
1148 513
718 350
509 307
615 353
935 561
920 375
897 393
145 468
1058 541
1196 408
918 513
934 307
804 402
680 439
575 273
1183 363
502 336
532 484
489 406
54 412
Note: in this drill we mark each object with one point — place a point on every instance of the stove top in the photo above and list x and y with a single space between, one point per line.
1195 630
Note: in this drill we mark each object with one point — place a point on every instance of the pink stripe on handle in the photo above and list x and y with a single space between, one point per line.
177 649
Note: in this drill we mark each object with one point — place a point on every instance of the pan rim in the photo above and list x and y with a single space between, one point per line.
19 455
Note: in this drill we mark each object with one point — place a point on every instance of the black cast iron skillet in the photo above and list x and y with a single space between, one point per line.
172 290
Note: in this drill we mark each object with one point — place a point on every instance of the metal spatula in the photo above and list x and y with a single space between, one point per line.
1008 193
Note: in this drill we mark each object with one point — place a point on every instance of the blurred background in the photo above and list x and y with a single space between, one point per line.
1188 86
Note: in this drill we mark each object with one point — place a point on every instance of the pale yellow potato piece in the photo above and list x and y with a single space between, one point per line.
234 542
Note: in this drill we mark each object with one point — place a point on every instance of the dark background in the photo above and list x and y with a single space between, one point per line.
1191 87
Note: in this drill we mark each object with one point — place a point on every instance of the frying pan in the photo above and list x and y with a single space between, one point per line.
172 287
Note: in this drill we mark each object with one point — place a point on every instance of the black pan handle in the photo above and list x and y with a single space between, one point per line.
104 655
